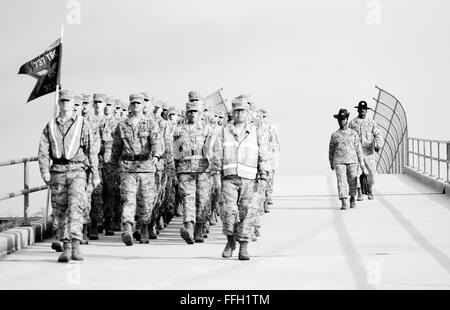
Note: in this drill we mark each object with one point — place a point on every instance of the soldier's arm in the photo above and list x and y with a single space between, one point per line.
44 153
331 150
379 140
91 150
116 150
358 149
264 154
217 152
155 139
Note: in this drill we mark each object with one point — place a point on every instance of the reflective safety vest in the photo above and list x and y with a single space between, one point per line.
65 145
240 159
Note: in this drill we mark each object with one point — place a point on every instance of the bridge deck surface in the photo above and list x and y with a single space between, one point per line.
400 240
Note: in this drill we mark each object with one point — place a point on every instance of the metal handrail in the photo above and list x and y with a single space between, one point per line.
26 188
417 151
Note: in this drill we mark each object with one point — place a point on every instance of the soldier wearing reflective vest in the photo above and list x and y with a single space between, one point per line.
243 160
67 142
371 141
192 149
136 149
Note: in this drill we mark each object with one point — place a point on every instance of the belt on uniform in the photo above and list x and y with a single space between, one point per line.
135 157
63 161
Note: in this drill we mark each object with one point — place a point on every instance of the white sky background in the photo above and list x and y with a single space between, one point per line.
301 60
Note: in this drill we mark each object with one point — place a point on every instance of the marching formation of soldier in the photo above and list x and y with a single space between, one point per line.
351 153
133 167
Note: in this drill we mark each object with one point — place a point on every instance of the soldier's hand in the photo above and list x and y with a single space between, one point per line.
217 181
377 149
332 167
46 178
96 180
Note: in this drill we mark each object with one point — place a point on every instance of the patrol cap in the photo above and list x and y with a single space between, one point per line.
109 101
66 94
239 104
183 113
342 114
78 99
263 112
147 96
118 103
173 110
194 95
157 103
136 98
165 106
192 106
99 97
220 113
86 98
363 105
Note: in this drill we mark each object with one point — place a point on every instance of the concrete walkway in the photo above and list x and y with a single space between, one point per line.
401 240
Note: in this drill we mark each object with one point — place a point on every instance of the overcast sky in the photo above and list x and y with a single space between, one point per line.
301 60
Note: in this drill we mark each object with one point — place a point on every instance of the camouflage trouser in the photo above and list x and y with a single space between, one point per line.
195 189
269 189
346 175
87 201
68 198
137 189
238 213
96 213
111 193
259 199
169 201
369 163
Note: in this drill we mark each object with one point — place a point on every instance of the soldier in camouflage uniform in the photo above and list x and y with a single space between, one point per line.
97 121
118 109
192 152
243 157
344 154
136 149
68 143
111 194
371 140
172 205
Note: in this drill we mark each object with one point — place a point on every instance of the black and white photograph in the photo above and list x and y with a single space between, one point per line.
224 152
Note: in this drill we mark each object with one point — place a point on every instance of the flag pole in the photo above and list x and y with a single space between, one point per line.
55 114
58 81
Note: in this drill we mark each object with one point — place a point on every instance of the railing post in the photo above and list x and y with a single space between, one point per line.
431 158
424 157
439 159
412 154
418 156
26 196
448 162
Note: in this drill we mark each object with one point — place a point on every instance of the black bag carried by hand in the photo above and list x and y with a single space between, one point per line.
364 185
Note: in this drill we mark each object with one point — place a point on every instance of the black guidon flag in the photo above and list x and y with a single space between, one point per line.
45 68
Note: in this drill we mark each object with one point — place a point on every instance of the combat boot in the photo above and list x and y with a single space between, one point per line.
229 248
94 231
137 235
352 202
160 223
76 254
66 254
213 219
152 232
109 231
126 236
243 254
198 233
116 225
56 245
360 195
369 193
186 232
344 204
144 234
254 239
100 228
85 239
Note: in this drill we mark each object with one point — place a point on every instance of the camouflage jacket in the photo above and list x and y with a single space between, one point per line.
344 148
86 157
369 134
143 139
